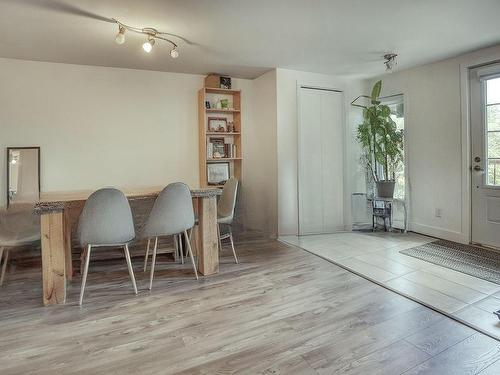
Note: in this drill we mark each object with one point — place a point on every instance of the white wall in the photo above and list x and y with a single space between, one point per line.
261 158
287 123
99 126
433 122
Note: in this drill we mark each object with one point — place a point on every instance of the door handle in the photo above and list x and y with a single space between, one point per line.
477 168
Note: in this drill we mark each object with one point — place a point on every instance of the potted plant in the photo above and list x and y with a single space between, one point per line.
381 143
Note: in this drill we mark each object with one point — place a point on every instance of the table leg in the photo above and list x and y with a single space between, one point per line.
208 250
67 245
53 258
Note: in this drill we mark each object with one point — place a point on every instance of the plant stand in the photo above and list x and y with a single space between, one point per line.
383 208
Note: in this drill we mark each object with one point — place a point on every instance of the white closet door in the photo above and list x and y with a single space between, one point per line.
320 161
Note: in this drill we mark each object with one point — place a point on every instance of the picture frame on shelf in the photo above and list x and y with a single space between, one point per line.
217 124
218 148
217 173
225 83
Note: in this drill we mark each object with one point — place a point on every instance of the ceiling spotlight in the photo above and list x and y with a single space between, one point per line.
390 61
174 53
148 46
120 37
13 161
152 35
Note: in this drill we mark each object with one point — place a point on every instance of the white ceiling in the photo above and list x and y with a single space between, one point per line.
244 38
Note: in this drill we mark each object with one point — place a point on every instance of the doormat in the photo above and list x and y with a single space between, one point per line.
472 260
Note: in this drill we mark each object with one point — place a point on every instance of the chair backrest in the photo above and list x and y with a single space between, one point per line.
106 219
172 212
227 201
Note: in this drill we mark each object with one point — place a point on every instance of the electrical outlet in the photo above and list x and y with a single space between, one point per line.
439 212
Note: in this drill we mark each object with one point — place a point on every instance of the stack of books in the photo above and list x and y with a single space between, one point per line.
218 148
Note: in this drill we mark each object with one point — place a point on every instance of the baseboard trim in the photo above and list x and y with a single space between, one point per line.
439 233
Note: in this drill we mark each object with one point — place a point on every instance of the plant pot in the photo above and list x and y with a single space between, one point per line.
385 188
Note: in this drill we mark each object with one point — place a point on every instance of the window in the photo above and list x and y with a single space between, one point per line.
396 104
493 131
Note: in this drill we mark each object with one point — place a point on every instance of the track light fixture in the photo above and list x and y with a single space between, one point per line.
174 53
120 37
148 45
152 36
390 61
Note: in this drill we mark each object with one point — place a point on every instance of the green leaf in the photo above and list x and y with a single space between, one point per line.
377 87
385 111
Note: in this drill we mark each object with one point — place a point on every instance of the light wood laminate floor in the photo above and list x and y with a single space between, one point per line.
280 311
376 256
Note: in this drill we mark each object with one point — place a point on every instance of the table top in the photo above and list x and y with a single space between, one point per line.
57 200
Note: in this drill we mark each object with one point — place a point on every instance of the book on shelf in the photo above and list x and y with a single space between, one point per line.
210 150
218 148
231 150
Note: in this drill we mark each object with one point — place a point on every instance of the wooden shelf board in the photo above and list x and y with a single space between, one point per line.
223 134
215 110
223 159
215 90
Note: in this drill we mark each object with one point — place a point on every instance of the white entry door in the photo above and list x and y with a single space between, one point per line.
321 160
485 137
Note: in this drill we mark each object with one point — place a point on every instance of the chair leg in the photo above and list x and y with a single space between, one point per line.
176 246
181 250
82 260
218 238
1 254
85 272
4 267
190 254
232 244
153 262
146 257
190 239
129 265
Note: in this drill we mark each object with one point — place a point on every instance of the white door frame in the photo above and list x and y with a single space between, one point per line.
301 85
466 227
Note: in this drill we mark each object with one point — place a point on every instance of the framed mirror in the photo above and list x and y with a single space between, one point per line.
23 175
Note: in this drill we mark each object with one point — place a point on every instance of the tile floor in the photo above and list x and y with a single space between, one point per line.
376 257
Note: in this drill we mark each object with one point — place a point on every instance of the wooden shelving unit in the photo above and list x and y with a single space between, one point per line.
213 110
212 94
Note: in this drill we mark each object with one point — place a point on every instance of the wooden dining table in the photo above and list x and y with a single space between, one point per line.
59 212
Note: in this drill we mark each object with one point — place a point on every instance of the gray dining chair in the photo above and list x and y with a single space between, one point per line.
106 220
19 227
172 215
225 212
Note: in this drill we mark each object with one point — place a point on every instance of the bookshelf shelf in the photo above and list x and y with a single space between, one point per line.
214 110
216 160
220 134
232 140
215 90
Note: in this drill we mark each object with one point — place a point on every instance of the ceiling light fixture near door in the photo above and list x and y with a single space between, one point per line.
152 36
390 61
